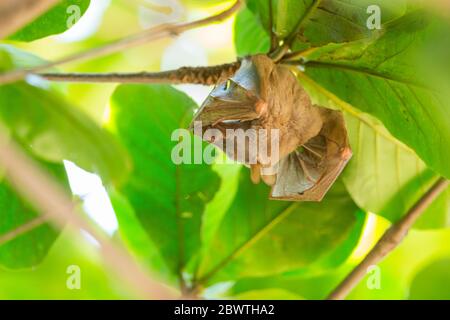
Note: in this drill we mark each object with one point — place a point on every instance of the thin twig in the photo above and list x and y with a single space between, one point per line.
16 13
21 230
298 55
389 241
151 34
195 75
49 199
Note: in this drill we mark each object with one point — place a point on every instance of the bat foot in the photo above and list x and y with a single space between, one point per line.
255 173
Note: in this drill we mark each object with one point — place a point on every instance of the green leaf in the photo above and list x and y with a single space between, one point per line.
216 209
397 270
268 294
54 130
168 199
382 77
384 176
57 20
30 248
249 37
311 287
286 14
387 178
320 22
49 280
260 236
432 282
136 238
346 20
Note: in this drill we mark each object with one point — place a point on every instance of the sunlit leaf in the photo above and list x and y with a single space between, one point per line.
260 236
380 77
384 176
432 282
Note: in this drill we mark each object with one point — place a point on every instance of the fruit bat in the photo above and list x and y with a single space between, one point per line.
311 144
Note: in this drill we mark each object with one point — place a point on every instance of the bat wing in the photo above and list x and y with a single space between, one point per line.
307 173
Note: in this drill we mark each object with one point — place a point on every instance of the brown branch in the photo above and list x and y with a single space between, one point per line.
151 34
388 242
195 75
50 200
13 234
16 13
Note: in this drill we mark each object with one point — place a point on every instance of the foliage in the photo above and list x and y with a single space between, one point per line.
202 226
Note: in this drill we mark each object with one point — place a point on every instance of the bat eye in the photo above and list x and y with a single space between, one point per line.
227 85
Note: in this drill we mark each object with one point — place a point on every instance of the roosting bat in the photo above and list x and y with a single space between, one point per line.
312 147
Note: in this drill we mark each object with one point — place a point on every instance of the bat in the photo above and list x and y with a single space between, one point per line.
306 146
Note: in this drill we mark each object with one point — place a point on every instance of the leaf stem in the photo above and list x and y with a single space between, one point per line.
244 246
273 36
151 34
17 232
389 241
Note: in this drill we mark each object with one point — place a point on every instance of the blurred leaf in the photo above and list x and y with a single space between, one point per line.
30 248
57 20
399 268
169 199
12 58
260 236
53 130
379 77
312 287
49 280
267 294
50 130
432 282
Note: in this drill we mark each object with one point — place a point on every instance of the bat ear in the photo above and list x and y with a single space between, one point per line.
254 75
307 173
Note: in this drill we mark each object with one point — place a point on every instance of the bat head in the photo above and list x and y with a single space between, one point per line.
235 100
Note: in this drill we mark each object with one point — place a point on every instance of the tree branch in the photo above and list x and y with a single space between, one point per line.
49 199
195 75
16 13
388 242
151 34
